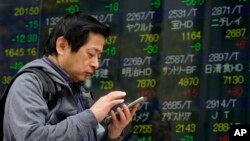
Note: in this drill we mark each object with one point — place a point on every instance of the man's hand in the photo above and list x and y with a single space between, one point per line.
121 120
102 107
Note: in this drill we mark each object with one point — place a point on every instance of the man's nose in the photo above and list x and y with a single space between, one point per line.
95 63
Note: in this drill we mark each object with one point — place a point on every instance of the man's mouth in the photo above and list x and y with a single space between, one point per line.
89 73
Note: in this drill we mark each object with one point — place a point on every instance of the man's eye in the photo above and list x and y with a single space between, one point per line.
91 54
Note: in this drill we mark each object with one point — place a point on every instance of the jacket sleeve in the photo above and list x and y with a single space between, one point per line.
106 138
26 111
102 134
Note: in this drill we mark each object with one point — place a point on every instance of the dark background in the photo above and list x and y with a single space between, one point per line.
189 57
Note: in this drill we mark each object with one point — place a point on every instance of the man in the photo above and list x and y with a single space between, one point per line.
71 56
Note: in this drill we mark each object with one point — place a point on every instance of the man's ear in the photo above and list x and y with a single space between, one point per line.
61 45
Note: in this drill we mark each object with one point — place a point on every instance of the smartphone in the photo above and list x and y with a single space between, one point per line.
139 100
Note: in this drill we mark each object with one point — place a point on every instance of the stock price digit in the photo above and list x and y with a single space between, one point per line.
190 128
17 65
146 83
33 24
14 52
235 79
149 38
107 85
145 139
111 40
25 38
26 11
152 49
109 51
187 138
235 33
221 127
194 35
145 129
113 6
189 81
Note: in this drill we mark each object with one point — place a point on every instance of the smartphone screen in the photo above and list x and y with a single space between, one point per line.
139 100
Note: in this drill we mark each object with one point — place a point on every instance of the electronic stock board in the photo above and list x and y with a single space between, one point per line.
189 57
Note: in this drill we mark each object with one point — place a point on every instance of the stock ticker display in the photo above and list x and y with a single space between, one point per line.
189 57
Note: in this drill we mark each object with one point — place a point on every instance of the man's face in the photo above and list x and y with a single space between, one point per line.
81 64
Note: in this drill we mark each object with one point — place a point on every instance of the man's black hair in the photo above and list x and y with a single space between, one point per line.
75 28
